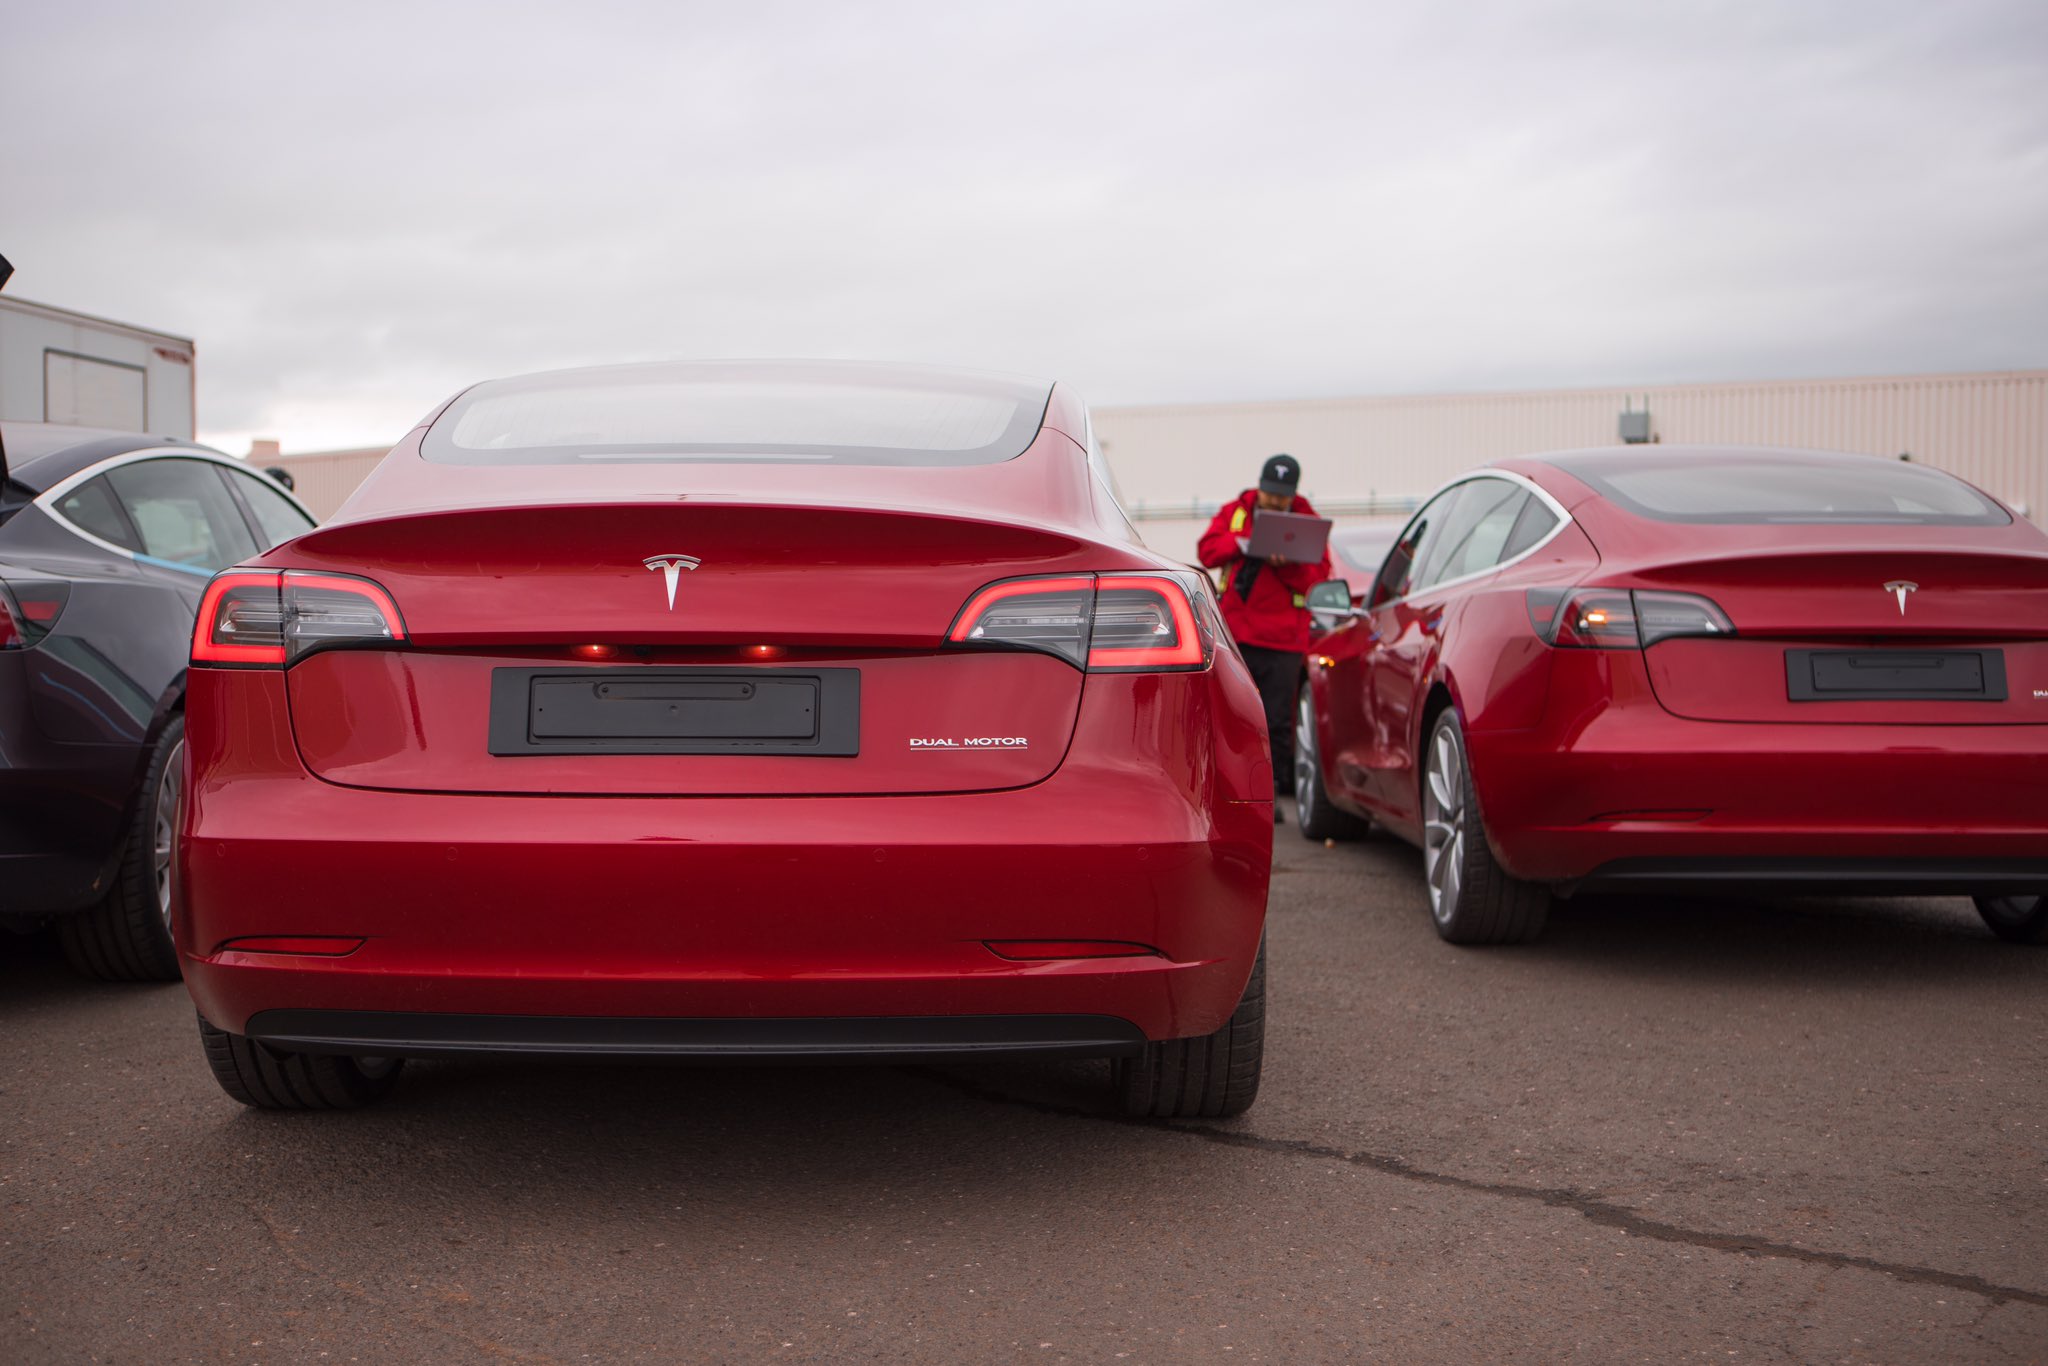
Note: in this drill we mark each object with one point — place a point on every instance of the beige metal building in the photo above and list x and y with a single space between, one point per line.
323 480
1366 456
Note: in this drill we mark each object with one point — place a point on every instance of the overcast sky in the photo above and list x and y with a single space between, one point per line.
357 209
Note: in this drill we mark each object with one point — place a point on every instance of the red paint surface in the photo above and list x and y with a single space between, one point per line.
695 906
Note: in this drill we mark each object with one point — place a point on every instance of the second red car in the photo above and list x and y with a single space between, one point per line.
1693 669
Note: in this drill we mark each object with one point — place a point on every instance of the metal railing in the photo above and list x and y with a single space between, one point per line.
1200 509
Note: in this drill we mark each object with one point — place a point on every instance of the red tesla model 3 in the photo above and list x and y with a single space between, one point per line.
726 711
1693 669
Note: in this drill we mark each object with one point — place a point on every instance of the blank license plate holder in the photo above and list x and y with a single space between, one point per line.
675 711
1895 675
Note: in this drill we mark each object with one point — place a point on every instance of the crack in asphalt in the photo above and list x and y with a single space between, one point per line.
1591 1208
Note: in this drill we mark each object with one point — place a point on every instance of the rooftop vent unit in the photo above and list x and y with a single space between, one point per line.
1635 426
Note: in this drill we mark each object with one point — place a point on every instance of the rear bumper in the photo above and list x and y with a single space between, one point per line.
1635 796
674 911
1834 877
824 1039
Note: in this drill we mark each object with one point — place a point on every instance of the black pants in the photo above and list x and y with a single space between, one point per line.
1278 674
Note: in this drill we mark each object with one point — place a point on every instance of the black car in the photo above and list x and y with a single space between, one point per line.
107 540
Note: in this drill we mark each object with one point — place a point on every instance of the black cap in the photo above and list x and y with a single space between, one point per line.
1281 476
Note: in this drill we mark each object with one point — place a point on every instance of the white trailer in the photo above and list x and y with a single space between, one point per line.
70 368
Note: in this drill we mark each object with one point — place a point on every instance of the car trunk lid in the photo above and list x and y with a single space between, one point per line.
1861 633
687 648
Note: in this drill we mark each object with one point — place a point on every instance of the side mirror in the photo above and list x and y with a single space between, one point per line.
1330 603
1333 595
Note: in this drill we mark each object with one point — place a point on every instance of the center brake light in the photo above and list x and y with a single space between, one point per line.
1147 622
266 619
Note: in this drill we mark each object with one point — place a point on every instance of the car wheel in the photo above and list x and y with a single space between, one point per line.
1207 1077
2016 919
1313 813
127 936
1471 898
274 1079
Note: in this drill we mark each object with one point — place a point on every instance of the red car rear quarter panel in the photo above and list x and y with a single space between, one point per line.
725 906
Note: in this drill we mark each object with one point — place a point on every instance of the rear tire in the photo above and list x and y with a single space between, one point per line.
2016 919
1314 814
127 936
273 1079
1202 1078
1472 900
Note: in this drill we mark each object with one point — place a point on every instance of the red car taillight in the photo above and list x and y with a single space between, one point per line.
1622 619
28 610
1105 623
265 619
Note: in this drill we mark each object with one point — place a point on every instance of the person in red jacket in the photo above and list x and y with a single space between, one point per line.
1265 603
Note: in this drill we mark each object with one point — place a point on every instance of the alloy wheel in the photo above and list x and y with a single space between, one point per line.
168 789
1305 759
1443 822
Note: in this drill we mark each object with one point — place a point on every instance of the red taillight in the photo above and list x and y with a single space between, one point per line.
1144 622
241 620
267 619
1596 621
1049 614
1104 623
28 611
1660 616
1622 619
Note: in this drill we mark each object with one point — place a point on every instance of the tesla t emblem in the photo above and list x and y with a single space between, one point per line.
1901 587
671 567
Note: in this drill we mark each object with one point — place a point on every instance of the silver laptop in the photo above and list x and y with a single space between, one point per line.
1289 535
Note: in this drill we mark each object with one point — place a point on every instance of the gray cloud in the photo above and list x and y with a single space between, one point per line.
358 210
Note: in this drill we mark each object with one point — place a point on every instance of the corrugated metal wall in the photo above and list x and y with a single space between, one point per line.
324 479
1991 429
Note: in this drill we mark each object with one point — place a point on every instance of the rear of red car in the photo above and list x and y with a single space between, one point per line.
1788 670
724 711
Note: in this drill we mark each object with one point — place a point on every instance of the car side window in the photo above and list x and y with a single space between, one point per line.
1531 526
277 517
1475 532
183 512
91 507
1397 574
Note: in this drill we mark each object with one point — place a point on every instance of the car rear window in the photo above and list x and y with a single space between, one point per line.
1789 488
796 413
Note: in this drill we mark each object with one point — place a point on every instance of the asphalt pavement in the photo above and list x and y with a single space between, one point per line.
1809 1131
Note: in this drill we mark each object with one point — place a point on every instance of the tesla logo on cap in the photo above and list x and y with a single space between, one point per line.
671 567
1901 587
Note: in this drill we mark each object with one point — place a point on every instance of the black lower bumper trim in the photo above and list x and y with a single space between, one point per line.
837 1039
1820 877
